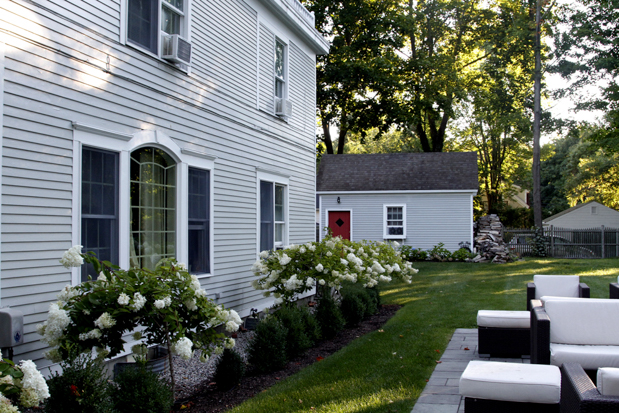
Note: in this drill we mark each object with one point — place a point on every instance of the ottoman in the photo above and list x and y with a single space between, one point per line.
504 333
490 386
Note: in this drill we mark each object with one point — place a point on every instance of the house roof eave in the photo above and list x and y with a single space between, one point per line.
301 21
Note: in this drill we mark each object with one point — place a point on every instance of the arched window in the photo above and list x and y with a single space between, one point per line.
153 207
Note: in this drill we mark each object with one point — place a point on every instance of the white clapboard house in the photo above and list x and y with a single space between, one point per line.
417 199
144 129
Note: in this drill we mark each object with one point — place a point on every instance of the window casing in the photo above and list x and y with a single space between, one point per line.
394 221
122 147
273 210
281 69
99 206
148 20
198 229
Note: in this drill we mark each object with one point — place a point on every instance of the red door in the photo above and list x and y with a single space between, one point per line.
339 222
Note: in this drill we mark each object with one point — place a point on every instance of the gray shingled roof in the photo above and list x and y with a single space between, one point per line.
398 171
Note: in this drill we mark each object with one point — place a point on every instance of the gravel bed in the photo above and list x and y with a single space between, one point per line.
190 374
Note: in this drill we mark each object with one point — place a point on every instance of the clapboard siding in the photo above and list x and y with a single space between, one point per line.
224 39
266 70
53 77
431 218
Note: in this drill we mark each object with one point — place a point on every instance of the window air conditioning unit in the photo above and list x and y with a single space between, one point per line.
176 49
283 107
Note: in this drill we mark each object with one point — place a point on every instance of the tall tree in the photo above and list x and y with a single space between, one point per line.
497 117
445 40
357 80
588 55
581 171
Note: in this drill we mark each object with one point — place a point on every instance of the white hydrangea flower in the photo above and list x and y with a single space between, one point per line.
311 247
184 348
102 352
6 406
137 335
321 282
384 279
319 267
95 333
309 282
330 244
204 358
67 293
218 350
191 304
53 328
34 380
264 254
302 250
329 253
278 301
377 267
200 293
285 259
159 304
105 320
102 277
123 299
229 343
234 316
343 261
138 302
72 257
167 300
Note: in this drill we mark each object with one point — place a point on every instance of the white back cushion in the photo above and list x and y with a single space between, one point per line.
586 321
556 285
608 381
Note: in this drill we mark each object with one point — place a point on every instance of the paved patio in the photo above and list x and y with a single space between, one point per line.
441 394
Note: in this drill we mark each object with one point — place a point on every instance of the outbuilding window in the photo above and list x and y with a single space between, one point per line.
394 221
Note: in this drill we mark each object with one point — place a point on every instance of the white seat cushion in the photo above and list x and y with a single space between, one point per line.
513 382
556 285
584 321
608 381
504 319
589 357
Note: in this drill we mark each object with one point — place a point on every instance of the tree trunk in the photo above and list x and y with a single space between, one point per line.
537 200
327 137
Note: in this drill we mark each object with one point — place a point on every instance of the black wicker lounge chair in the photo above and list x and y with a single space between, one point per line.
579 394
532 293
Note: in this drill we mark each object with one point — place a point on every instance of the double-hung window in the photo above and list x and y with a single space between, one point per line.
199 221
280 70
272 215
394 221
99 206
148 20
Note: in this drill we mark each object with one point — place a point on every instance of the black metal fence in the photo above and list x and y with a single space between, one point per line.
567 243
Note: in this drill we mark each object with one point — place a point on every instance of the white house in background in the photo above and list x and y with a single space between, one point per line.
583 216
144 129
418 199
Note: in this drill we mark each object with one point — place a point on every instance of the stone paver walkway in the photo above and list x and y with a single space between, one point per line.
441 394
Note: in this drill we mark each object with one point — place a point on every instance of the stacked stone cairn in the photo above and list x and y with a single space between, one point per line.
489 241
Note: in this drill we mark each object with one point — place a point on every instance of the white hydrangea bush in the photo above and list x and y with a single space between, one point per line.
21 385
168 303
297 269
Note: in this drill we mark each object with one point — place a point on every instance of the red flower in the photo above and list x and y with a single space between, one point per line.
74 390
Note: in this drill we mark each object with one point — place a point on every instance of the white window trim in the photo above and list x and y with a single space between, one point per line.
185 30
84 135
279 179
386 234
286 78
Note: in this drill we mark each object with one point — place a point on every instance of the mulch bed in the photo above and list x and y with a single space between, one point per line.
208 399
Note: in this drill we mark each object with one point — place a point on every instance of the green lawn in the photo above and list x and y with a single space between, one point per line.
386 371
